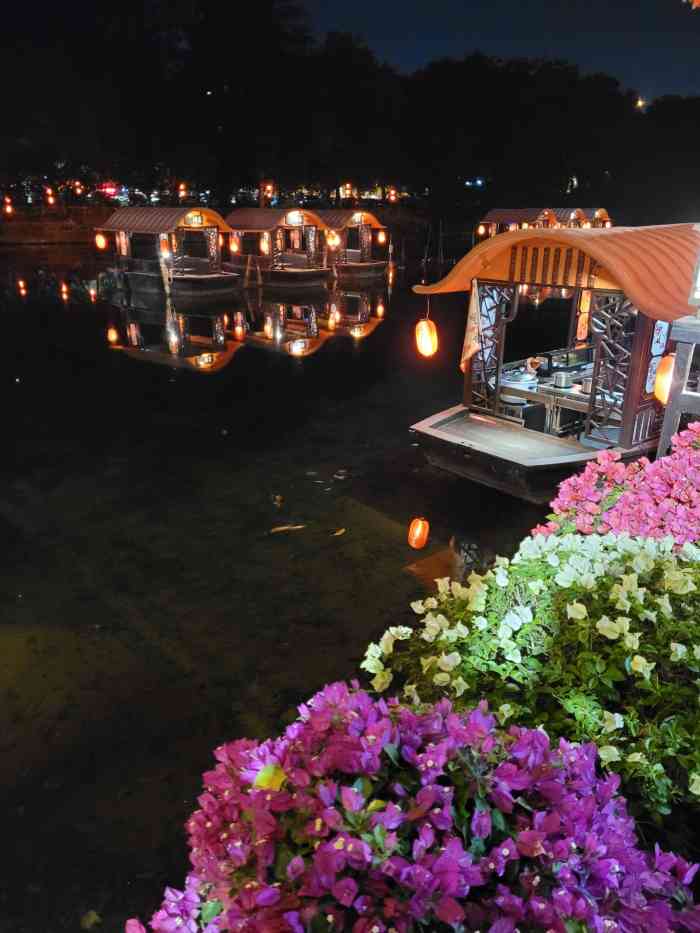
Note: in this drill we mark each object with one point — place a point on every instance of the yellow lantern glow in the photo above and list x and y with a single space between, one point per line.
418 533
221 240
269 328
265 244
608 224
664 378
239 332
64 291
333 239
587 225
426 337
93 295
51 199
21 284
112 335
525 225
100 241
380 309
8 208
234 245
481 229
381 236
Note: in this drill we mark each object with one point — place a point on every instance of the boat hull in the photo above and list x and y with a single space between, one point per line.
496 453
353 271
185 287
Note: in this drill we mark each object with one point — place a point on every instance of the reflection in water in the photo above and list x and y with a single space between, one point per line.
418 533
206 339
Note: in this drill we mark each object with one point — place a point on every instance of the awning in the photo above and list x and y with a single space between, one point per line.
160 219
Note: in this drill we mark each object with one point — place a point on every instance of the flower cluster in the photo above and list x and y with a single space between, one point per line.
369 817
646 499
595 636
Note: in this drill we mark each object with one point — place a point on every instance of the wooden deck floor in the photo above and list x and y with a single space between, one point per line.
482 433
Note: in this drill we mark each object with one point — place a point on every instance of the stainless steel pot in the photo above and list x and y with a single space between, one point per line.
587 385
563 380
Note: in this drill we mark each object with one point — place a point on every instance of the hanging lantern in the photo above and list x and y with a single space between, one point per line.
426 337
481 229
112 335
418 533
100 241
269 327
239 332
265 244
381 237
221 240
380 309
234 244
664 378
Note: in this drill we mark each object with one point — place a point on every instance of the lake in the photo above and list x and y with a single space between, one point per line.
147 612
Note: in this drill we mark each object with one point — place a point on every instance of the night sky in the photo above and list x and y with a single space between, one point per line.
652 46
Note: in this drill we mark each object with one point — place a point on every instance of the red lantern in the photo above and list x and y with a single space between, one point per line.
426 337
418 533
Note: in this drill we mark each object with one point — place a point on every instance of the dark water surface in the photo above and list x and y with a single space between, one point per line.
146 612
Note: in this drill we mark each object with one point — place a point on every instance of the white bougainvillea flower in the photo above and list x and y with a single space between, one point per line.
481 623
566 577
418 607
505 711
441 680
373 665
664 604
640 665
678 651
501 576
386 643
448 662
696 652
608 753
553 560
631 640
612 721
694 783
430 603
607 627
679 582
373 650
576 610
401 632
459 685
536 586
649 615
443 586
511 652
382 681
637 758
459 591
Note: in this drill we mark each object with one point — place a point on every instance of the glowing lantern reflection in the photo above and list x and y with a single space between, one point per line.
93 295
664 378
426 337
381 236
112 335
100 241
418 533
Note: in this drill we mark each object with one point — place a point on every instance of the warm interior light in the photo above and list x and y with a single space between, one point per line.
221 240
51 199
418 533
205 359
64 291
93 294
664 378
265 244
112 335
21 284
49 190
333 239
381 237
525 225
100 241
269 328
481 230
298 347
512 227
608 223
239 332
587 224
426 337
380 309
8 208
234 245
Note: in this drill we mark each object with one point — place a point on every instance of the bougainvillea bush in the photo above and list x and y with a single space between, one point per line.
650 500
595 637
368 817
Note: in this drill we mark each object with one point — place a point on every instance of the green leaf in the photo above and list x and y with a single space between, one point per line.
210 910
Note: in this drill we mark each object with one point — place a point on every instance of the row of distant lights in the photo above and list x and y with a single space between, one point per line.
481 229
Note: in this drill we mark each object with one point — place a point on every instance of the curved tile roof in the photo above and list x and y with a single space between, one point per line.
156 219
653 266
266 218
338 219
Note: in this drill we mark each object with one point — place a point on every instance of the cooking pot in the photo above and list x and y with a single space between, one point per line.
587 384
563 380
